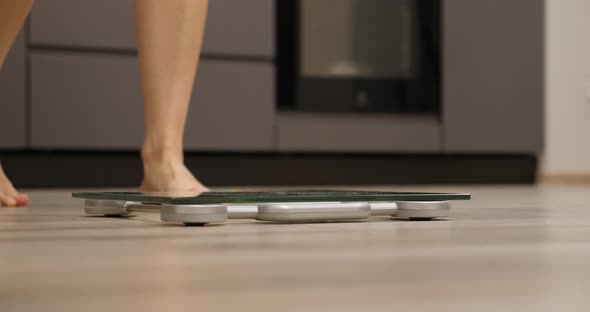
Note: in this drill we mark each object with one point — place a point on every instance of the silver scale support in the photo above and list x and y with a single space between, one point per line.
277 212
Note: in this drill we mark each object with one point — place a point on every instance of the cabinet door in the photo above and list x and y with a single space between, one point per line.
309 132
93 101
493 76
85 101
234 27
12 97
232 107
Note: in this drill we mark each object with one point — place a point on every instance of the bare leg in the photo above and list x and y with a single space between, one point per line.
169 35
12 16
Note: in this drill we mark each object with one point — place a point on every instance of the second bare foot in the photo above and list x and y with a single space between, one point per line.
9 196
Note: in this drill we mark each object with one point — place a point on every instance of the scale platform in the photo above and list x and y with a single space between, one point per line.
300 206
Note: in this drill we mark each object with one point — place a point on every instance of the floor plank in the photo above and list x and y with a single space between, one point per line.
510 248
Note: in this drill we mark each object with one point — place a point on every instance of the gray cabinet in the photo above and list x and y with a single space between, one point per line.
83 23
239 27
93 101
234 27
308 132
82 101
232 107
13 97
85 90
492 88
493 76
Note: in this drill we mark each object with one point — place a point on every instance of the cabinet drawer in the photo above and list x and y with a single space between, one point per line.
234 27
93 101
309 132
80 101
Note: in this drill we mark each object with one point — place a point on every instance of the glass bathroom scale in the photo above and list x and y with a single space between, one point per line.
243 197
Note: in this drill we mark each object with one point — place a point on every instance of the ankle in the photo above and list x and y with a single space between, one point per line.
151 154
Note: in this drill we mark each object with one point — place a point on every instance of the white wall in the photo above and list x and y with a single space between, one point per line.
567 149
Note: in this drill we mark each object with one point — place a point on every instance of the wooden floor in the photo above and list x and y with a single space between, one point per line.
509 249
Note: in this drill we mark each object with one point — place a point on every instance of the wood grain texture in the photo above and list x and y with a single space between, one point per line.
510 248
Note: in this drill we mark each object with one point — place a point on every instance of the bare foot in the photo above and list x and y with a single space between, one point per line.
8 194
165 175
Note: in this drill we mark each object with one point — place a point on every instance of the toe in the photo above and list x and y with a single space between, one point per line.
199 189
7 201
21 200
